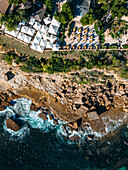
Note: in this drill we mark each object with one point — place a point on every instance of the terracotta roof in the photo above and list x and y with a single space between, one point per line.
3 6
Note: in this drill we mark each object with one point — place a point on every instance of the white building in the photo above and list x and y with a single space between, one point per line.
54 27
39 36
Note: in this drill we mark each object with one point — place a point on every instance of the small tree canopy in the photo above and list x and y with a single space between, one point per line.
49 4
88 19
66 14
11 21
16 2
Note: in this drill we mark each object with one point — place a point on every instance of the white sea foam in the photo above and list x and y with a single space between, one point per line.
31 118
19 134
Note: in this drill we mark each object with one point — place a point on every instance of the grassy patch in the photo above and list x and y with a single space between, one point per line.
8 43
64 61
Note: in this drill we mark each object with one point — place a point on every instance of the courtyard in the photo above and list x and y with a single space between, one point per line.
82 37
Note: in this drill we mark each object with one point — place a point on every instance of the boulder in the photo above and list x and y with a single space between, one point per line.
119 100
92 108
2 97
88 103
71 125
43 116
121 86
33 107
78 101
90 137
10 75
55 122
12 125
5 103
107 102
92 115
2 108
82 110
74 138
51 117
75 125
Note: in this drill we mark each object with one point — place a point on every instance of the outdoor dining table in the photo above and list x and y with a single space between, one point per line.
73 47
79 29
86 30
79 47
96 47
67 47
74 29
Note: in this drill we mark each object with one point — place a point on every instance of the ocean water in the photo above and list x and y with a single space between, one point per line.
40 145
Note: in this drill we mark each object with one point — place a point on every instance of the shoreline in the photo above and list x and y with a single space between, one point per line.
45 92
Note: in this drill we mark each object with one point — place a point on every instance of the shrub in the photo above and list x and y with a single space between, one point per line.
49 4
96 28
16 2
125 46
113 47
66 15
101 38
11 21
124 72
104 47
88 19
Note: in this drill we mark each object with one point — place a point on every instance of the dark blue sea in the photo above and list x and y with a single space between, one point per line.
40 146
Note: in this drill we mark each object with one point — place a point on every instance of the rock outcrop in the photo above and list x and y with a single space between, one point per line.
10 124
77 104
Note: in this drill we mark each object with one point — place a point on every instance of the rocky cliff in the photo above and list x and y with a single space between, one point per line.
101 106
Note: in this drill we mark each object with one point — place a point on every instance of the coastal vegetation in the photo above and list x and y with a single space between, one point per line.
125 46
61 34
59 62
117 8
118 28
11 20
66 15
99 28
88 19
49 4
16 2
107 15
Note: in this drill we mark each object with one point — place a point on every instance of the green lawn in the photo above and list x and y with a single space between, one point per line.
9 43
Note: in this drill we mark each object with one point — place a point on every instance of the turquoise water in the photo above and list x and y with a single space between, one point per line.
40 145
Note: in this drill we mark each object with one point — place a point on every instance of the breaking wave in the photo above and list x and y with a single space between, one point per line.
31 119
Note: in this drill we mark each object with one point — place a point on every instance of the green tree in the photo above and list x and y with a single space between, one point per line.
16 2
49 4
11 21
118 8
88 19
66 15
